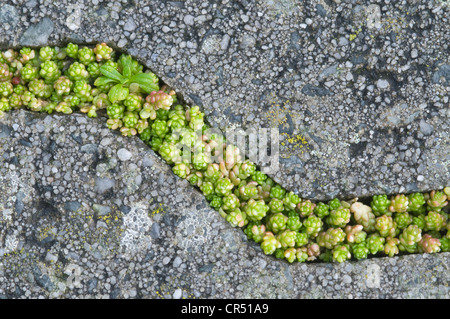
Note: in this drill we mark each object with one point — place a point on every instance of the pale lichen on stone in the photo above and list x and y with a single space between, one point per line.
14 191
137 225
194 230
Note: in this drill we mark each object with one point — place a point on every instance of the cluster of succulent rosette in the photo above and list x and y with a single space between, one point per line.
91 79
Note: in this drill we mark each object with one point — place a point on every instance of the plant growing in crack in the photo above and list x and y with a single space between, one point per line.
282 223
124 78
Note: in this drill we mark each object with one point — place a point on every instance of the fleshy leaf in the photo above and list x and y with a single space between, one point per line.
126 62
118 93
147 81
149 88
112 73
144 114
103 80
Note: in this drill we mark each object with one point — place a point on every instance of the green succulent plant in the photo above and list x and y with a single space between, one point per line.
435 221
436 201
230 202
93 69
83 90
287 238
276 205
77 71
306 208
291 200
312 225
341 253
375 243
301 254
64 107
246 191
445 244
339 217
47 53
391 246
85 55
115 111
72 50
277 222
91 79
334 204
63 85
416 202
380 205
146 135
355 234
223 186
293 222
429 245
259 177
290 254
399 204
159 128
181 170
360 250
386 226
6 89
409 238
15 101
4 105
402 220
301 239
322 210
256 210
255 232
269 243
102 52
129 78
27 54
237 218
330 238
28 73
49 71
277 192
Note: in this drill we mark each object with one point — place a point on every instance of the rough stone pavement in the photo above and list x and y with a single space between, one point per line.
360 94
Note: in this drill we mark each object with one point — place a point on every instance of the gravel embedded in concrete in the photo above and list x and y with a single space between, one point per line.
363 86
70 238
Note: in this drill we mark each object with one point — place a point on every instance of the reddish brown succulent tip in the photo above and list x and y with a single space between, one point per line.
15 80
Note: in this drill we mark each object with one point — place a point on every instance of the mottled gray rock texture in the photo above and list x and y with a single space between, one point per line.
347 83
359 91
148 233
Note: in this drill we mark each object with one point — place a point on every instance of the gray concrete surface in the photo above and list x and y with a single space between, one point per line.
366 87
87 213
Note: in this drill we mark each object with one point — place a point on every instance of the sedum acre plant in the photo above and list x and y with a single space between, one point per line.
100 81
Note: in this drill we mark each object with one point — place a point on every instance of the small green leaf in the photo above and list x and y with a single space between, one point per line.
126 62
136 67
149 88
149 78
144 114
147 81
103 80
92 112
111 73
118 93
134 88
